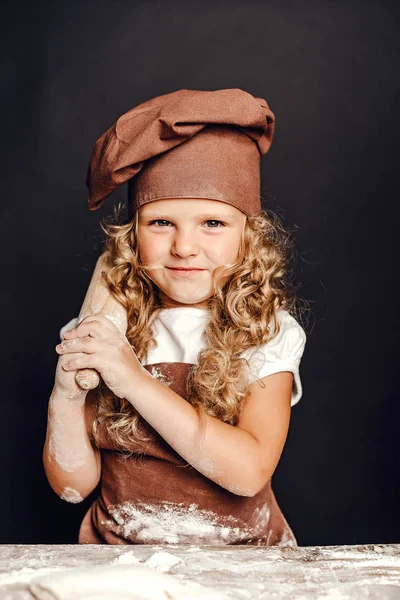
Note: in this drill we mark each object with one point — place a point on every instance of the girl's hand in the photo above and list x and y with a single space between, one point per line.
96 343
65 385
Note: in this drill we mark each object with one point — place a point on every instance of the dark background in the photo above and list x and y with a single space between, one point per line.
329 72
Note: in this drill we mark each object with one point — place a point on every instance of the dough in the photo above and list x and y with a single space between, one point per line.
117 582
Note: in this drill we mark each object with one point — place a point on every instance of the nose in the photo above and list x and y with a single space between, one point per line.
185 243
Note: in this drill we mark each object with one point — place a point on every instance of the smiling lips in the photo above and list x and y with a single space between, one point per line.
185 268
185 272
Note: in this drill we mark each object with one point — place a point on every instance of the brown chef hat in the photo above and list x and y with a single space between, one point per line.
185 144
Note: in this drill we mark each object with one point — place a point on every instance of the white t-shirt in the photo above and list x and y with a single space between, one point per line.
180 335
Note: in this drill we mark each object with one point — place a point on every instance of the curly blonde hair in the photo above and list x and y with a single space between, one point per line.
241 313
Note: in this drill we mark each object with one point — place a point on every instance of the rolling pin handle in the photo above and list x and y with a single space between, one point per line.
87 379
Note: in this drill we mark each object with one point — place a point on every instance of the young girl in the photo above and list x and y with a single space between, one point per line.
192 413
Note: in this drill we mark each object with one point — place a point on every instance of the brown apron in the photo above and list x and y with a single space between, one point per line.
155 497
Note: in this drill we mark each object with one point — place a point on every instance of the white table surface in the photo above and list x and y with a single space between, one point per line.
369 571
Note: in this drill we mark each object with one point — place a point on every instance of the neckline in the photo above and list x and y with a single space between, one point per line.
176 312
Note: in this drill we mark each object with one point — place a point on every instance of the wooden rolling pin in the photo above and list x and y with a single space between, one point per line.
98 300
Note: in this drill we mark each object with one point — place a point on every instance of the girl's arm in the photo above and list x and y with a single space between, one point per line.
240 458
71 462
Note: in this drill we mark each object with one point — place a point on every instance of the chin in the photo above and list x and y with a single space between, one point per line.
184 300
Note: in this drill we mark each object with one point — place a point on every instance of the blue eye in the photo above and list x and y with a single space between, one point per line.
213 221
208 221
159 221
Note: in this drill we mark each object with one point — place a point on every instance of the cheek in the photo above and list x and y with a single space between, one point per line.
225 252
149 251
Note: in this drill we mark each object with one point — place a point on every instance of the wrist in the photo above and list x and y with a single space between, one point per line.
139 386
60 396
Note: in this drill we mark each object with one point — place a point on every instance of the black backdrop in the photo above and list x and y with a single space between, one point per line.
329 72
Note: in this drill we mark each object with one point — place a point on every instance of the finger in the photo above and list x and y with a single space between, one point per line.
87 345
82 361
103 319
93 328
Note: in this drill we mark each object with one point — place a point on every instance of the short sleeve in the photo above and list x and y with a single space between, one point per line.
283 353
70 325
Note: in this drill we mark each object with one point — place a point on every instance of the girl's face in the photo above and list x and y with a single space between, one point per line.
203 234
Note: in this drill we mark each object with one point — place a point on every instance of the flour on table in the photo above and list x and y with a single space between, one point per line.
127 558
162 561
368 572
118 582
